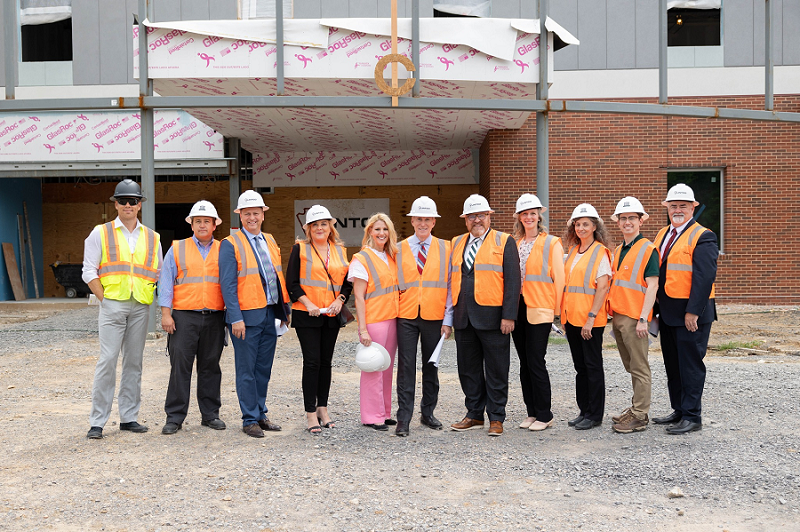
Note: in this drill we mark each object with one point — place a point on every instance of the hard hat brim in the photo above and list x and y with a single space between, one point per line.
644 216
666 203
427 215
530 208
464 215
189 219
141 198
239 209
318 219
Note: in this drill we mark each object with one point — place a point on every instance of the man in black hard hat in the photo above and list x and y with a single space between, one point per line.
121 262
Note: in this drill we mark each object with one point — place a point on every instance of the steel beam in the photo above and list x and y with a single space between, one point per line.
415 46
11 30
279 44
234 180
663 67
542 126
769 63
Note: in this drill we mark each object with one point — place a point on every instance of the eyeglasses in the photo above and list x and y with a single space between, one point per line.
625 219
127 201
473 217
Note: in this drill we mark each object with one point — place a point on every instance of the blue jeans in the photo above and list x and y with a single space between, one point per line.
254 356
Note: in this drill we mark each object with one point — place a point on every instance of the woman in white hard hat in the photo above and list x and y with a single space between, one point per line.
318 289
583 310
542 272
373 273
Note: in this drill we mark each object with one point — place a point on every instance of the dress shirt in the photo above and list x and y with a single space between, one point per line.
169 271
93 248
666 237
414 243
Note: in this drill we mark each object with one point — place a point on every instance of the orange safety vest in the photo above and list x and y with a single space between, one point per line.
313 278
250 290
488 268
581 287
538 287
381 298
679 261
197 283
124 274
423 294
628 286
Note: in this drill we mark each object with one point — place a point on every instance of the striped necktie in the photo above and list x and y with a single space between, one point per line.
471 251
421 257
269 273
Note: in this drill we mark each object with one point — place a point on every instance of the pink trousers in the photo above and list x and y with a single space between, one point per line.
376 386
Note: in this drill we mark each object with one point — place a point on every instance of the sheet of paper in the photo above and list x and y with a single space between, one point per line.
555 328
437 352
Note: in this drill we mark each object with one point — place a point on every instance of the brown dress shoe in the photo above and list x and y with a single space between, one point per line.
495 428
630 424
253 431
266 424
467 424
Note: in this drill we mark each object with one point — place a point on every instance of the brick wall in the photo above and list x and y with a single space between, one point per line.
599 158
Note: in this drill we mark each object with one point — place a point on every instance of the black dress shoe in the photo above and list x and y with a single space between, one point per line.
431 421
171 428
684 427
133 426
390 422
216 424
377 426
672 417
587 424
402 429
95 433
573 422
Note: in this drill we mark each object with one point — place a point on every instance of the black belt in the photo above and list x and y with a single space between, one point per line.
204 312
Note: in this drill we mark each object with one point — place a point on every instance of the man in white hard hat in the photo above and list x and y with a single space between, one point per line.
631 298
192 314
485 286
112 252
426 313
254 291
686 307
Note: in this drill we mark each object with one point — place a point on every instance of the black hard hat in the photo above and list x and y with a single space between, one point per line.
127 188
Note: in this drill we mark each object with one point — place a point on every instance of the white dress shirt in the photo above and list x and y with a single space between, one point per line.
93 248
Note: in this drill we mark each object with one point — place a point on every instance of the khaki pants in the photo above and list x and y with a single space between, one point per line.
633 352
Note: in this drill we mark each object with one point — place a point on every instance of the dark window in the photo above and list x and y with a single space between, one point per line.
693 27
171 222
437 13
707 188
47 42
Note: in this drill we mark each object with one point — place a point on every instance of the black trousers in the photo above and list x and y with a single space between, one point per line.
683 353
484 358
317 344
196 336
409 333
590 380
531 344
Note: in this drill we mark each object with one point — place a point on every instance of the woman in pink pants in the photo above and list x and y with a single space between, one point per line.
373 273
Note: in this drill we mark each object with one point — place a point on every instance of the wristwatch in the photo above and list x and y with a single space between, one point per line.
342 298
592 315
642 320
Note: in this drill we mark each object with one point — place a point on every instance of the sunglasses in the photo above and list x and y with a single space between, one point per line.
127 201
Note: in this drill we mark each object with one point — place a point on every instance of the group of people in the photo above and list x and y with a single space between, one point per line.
488 286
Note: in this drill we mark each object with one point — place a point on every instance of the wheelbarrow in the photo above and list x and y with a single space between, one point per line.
69 276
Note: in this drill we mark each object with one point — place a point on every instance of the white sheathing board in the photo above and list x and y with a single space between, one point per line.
351 215
104 136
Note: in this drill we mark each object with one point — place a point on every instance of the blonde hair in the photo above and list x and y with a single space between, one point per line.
333 236
600 233
518 232
391 247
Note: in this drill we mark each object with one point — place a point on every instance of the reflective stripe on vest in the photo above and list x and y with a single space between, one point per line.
488 268
430 303
538 287
381 297
579 293
197 280
678 283
124 274
315 282
627 295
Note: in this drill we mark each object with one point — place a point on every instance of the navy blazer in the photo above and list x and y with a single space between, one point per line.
704 273
228 280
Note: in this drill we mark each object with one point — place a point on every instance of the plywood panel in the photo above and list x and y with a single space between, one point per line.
13 271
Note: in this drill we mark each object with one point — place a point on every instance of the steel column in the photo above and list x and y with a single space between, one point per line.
234 180
415 46
663 67
769 63
279 43
11 19
542 130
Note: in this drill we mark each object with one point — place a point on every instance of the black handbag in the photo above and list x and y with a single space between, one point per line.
344 316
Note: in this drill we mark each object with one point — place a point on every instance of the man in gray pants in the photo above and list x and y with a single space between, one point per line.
121 262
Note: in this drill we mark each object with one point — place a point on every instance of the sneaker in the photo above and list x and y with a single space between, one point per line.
631 424
621 416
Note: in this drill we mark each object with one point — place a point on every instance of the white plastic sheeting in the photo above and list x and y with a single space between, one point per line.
469 8
695 4
33 12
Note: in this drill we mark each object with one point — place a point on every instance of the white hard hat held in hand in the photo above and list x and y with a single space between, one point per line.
476 203
204 208
424 207
630 204
372 358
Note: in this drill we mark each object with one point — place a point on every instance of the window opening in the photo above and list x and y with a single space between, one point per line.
707 187
47 42
694 27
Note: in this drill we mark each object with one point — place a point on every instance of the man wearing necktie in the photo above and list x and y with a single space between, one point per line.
686 307
485 286
426 313
254 290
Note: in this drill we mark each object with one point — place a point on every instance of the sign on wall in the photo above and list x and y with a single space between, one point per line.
351 216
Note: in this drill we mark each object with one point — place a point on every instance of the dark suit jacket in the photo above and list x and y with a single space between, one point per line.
228 270
704 272
481 317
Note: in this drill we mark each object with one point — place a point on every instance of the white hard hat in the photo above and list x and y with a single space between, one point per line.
372 358
316 213
424 207
475 203
250 198
529 201
203 208
680 192
584 210
630 204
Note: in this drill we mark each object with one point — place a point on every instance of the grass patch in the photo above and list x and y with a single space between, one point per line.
727 346
557 340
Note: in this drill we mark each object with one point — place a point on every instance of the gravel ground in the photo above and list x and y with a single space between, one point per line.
741 472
